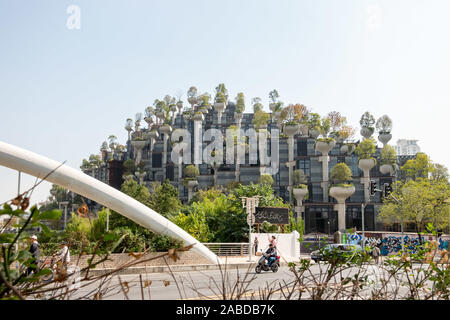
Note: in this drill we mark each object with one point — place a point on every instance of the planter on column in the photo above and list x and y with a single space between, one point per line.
238 118
192 100
290 129
187 116
160 115
303 129
384 138
179 106
140 176
149 121
153 136
138 146
299 195
366 132
219 107
387 168
198 116
324 147
341 194
365 165
191 184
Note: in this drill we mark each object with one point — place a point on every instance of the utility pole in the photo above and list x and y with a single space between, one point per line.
363 206
107 219
65 204
250 203
18 184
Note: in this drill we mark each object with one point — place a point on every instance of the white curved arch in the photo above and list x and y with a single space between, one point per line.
39 166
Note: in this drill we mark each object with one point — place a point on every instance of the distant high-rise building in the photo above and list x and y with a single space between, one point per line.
406 147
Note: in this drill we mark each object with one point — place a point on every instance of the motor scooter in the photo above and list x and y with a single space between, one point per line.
263 266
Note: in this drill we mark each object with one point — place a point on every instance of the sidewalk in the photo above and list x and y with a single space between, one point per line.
231 263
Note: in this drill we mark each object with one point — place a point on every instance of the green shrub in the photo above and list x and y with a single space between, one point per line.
388 155
240 102
367 121
341 173
266 179
365 149
191 171
299 178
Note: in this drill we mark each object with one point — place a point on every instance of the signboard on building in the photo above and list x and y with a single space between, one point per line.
272 215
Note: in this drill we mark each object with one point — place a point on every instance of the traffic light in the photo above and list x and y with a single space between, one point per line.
373 186
387 190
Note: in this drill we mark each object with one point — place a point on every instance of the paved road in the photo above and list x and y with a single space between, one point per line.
212 284
235 282
191 285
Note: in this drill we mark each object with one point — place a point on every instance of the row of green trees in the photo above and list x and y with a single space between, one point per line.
212 216
216 215
422 196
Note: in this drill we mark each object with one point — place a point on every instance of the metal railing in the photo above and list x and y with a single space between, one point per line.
228 249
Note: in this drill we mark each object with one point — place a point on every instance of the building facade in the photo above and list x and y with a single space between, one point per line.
318 211
406 147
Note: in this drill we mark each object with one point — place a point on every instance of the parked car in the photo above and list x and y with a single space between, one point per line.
339 248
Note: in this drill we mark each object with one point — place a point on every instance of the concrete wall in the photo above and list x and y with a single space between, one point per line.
117 259
287 243
391 242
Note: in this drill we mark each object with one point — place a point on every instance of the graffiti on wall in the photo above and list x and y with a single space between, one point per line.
392 244
443 244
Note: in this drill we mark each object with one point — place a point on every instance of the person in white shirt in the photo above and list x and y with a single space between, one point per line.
272 240
63 255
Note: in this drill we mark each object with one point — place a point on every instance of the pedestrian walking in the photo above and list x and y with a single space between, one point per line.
255 244
376 253
34 250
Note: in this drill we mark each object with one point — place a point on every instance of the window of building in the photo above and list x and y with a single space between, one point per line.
156 160
304 164
302 148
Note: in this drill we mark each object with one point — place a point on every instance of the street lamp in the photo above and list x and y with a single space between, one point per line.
448 201
65 204
250 203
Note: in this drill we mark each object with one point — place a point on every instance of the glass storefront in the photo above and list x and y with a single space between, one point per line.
324 219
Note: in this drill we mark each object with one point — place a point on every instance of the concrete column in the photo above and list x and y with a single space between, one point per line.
341 194
365 165
324 148
191 184
198 118
138 146
219 107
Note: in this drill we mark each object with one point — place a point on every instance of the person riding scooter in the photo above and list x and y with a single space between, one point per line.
271 254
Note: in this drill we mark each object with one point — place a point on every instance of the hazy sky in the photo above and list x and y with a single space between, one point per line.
64 91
